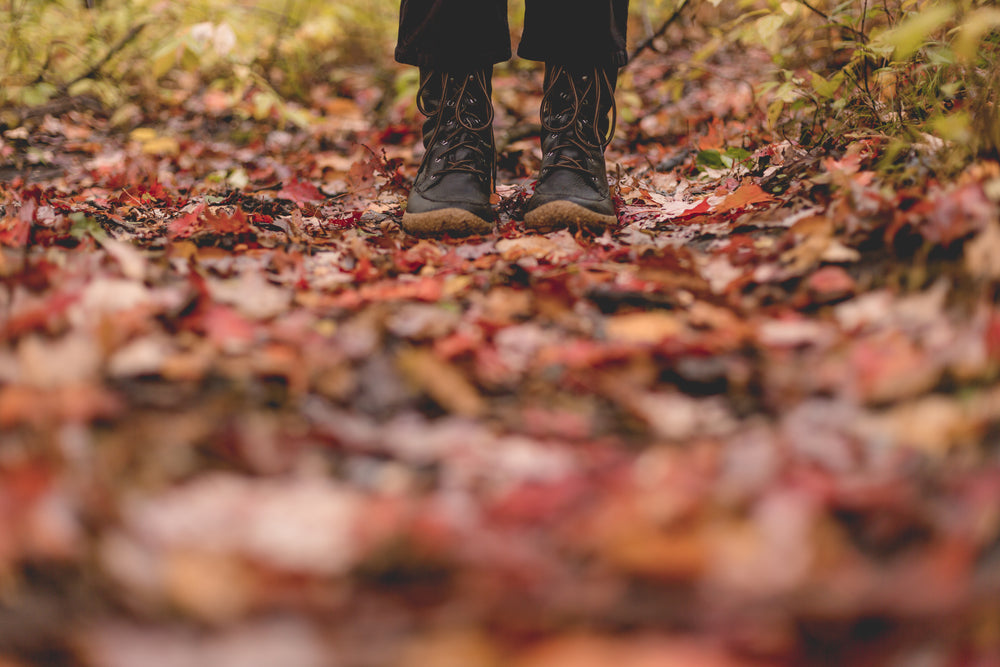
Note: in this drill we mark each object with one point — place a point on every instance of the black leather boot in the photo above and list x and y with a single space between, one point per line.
578 122
451 194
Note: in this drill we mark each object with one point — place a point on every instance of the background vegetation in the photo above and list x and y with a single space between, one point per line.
911 74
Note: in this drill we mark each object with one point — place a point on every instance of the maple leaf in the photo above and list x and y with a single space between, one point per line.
301 192
210 221
14 231
746 195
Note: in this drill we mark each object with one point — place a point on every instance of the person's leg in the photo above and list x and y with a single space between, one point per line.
444 34
582 43
575 32
455 43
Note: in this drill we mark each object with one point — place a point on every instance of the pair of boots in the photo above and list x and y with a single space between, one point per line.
451 194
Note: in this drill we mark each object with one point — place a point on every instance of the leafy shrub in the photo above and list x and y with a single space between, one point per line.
124 49
914 72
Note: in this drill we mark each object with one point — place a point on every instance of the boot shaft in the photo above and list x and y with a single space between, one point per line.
458 132
461 101
580 102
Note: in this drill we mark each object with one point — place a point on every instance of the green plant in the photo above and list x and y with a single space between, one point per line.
913 72
57 51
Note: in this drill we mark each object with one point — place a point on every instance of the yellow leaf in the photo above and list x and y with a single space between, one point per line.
972 31
768 26
142 134
164 60
827 88
911 35
954 127
161 146
774 112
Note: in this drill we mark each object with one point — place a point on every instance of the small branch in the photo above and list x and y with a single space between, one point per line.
112 52
860 36
59 106
648 43
282 28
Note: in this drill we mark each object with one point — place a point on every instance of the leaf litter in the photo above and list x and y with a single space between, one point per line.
246 420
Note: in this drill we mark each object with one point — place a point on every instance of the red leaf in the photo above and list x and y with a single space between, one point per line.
993 336
14 232
301 192
41 316
831 282
187 224
227 328
216 222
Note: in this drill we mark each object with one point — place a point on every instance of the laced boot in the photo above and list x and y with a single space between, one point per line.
578 122
451 194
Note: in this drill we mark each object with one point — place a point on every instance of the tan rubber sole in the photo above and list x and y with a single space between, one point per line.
447 221
562 214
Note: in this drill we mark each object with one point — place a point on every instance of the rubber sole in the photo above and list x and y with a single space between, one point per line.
562 214
447 221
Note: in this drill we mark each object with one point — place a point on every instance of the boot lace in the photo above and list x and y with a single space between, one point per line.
474 84
594 96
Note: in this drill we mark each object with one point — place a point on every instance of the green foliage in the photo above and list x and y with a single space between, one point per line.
269 50
713 159
912 72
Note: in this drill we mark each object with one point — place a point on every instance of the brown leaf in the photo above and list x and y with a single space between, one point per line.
625 651
557 247
892 368
210 586
441 381
643 328
982 254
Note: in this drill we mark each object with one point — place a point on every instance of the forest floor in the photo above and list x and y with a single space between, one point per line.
246 421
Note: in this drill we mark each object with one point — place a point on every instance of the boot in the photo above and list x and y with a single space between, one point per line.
578 122
451 194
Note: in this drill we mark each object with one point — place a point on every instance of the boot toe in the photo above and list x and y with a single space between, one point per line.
569 200
451 221
563 213
456 215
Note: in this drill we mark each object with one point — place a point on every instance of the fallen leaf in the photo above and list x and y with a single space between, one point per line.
982 254
442 382
746 195
644 328
830 283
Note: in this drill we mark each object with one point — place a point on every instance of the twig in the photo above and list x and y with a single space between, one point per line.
282 28
112 52
860 36
59 106
660 32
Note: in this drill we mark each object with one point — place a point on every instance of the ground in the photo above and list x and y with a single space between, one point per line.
245 420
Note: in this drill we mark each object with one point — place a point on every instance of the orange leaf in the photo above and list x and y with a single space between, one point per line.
745 196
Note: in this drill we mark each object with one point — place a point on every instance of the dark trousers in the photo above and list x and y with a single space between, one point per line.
465 34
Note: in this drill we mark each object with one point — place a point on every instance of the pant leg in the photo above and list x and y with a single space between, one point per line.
575 32
453 34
